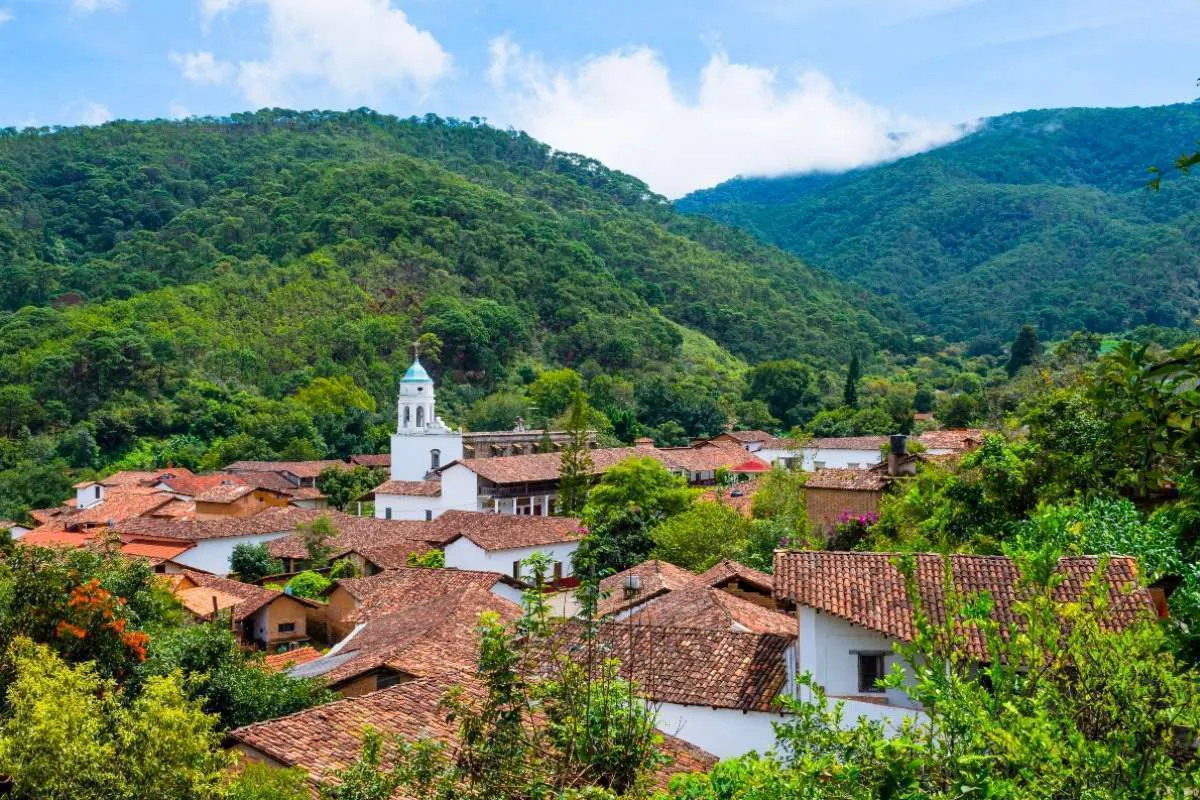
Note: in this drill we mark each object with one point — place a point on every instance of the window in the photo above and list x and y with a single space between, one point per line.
97 492
420 416
435 459
870 671
558 575
517 570
287 627
852 465
428 514
387 512
407 412
385 679
818 465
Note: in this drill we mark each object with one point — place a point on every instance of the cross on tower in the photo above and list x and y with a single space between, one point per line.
416 350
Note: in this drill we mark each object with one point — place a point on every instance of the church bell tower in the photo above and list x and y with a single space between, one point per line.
422 441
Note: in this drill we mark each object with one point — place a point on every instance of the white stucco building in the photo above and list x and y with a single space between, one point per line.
489 542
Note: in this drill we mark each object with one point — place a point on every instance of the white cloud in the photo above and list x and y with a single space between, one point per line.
5 16
88 6
95 114
623 109
211 8
178 111
203 67
355 49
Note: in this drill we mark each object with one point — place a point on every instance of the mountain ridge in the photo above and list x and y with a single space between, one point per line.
1016 222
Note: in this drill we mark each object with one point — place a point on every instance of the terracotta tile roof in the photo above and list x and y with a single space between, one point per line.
131 478
328 738
43 515
273 520
392 556
856 480
430 638
694 666
301 469
782 443
306 493
848 443
710 459
278 662
739 497
272 481
868 590
244 598
700 606
355 533
155 551
119 504
507 531
372 460
397 589
224 493
408 488
958 439
51 536
727 571
176 509
189 484
656 577
747 437
545 466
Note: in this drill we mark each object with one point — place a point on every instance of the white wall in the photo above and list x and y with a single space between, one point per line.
212 555
462 553
85 496
779 456
828 648
840 459
412 507
724 732
411 453
460 488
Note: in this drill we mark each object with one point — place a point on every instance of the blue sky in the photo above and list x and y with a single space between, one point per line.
682 93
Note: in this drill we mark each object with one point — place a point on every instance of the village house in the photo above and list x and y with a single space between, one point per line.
351 602
261 617
230 499
832 496
477 540
715 688
632 589
371 544
852 610
213 540
296 473
429 638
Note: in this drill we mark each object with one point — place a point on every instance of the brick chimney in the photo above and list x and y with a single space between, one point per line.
897 454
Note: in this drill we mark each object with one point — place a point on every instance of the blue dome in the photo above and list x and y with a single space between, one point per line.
416 374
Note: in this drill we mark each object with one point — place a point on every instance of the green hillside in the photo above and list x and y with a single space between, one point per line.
198 291
1039 216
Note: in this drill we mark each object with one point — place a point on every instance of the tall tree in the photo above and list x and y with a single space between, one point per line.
575 466
1025 349
850 393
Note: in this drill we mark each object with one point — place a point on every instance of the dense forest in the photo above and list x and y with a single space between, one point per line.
195 292
1041 217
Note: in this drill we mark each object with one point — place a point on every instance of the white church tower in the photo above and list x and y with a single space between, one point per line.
422 441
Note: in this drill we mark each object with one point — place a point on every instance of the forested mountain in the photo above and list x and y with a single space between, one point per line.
1040 216
250 287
